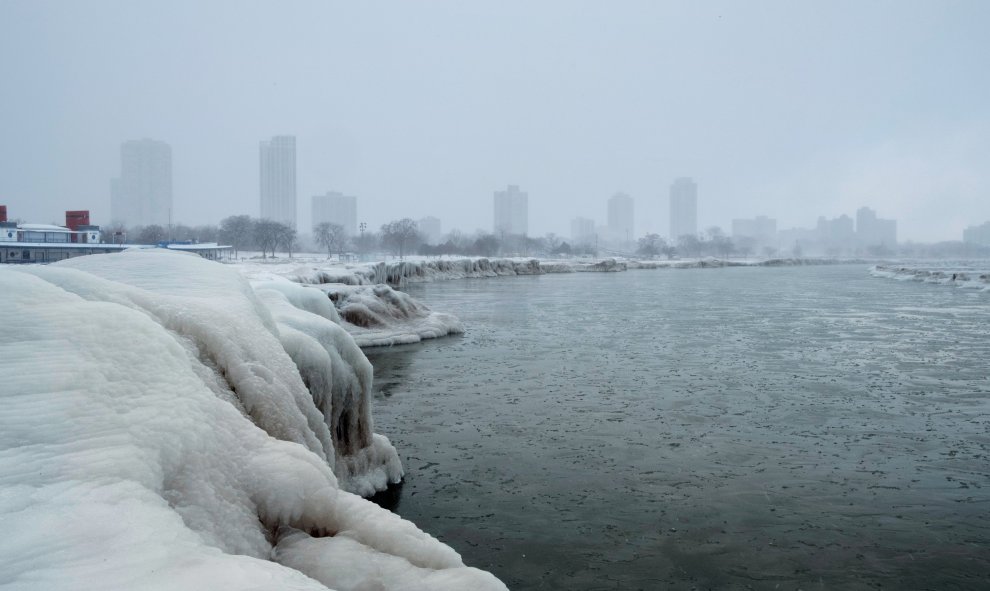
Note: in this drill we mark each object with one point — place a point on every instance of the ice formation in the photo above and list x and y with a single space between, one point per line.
380 315
156 431
960 275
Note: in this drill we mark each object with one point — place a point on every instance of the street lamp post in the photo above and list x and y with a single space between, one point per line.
362 226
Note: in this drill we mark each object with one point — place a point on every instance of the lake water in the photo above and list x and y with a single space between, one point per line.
800 427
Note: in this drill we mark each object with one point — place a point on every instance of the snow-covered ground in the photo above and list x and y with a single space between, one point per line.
164 424
960 274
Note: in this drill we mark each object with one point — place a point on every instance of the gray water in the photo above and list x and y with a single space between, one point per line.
766 428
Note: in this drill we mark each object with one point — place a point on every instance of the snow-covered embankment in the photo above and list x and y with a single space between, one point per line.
164 425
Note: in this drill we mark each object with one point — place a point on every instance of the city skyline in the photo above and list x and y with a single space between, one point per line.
793 109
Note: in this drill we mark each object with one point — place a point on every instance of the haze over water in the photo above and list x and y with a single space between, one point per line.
802 427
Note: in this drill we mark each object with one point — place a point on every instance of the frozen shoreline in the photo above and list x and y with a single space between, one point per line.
165 424
308 269
375 313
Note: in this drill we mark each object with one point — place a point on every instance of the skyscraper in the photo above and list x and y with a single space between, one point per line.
873 231
620 218
511 212
278 179
336 208
683 208
582 231
142 196
430 228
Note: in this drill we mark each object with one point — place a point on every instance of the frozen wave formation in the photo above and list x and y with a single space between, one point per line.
165 426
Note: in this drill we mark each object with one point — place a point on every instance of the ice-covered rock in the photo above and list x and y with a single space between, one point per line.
156 433
379 315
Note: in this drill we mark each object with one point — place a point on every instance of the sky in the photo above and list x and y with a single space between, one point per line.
787 109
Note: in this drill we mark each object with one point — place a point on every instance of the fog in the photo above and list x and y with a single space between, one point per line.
791 110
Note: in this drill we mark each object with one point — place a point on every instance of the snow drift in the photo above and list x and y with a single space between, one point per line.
163 425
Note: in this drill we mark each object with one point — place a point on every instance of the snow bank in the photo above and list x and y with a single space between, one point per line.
156 431
962 275
379 315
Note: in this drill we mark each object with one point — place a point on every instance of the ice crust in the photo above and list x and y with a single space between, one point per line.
156 431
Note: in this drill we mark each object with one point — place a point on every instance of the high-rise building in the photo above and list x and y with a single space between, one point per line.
836 235
278 179
336 208
511 212
874 231
142 196
430 229
761 229
582 232
683 208
977 234
621 216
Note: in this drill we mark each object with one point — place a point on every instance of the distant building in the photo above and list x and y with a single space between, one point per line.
46 243
683 208
582 231
761 229
798 241
837 235
977 234
430 229
277 168
511 212
872 231
335 208
621 214
142 196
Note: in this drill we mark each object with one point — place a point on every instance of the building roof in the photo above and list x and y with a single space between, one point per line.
44 228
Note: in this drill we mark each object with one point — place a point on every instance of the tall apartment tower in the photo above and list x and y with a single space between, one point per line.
511 212
683 208
874 231
336 208
621 218
582 231
431 229
278 179
142 196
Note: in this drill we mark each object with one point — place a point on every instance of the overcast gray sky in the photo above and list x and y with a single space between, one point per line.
790 109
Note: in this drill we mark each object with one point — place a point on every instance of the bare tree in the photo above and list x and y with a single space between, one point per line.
152 234
266 236
237 231
330 235
401 235
746 245
651 245
689 244
286 238
486 245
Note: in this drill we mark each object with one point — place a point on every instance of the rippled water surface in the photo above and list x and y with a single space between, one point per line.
711 428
